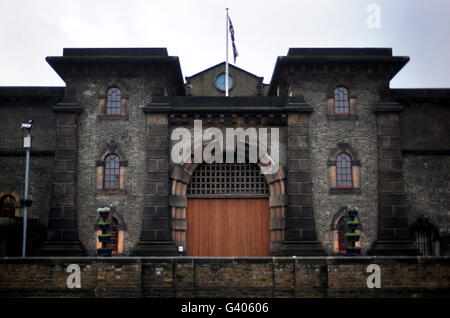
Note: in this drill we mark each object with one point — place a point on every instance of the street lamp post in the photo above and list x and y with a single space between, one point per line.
27 146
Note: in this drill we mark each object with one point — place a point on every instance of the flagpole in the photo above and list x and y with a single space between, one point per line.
226 60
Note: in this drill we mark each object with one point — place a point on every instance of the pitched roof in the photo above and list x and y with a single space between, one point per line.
230 65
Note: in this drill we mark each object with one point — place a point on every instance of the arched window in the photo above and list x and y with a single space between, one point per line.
117 229
344 171
341 101
426 236
111 178
113 101
7 205
115 235
339 227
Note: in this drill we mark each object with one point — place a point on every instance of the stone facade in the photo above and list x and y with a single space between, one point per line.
244 83
326 134
397 140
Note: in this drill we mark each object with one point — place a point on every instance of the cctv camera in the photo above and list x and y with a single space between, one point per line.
27 126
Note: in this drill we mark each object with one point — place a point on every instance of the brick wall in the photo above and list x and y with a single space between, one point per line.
326 133
130 135
425 142
12 154
226 277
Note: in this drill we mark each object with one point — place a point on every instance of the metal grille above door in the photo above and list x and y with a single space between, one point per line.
222 180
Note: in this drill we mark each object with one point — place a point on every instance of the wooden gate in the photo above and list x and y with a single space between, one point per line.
228 227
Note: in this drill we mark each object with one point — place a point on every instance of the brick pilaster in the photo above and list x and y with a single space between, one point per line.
393 235
156 235
62 235
300 237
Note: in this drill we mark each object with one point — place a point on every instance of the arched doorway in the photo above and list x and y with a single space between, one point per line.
272 198
228 211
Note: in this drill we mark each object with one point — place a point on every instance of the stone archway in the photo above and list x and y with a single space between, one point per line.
180 179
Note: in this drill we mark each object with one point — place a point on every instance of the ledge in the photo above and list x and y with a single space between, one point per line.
157 108
388 107
32 92
70 107
188 259
112 117
19 153
342 117
105 192
251 104
345 191
334 162
424 152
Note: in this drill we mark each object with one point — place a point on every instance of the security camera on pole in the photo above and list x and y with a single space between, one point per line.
27 203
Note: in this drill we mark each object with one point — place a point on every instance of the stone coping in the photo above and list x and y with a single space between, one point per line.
227 260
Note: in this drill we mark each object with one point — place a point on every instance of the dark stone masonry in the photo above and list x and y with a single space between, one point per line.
226 277
346 138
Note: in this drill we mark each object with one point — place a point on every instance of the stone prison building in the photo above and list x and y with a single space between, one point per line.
345 139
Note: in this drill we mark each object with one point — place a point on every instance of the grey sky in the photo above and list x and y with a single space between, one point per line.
194 30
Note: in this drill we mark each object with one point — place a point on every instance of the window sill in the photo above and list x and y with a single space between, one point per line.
112 192
342 117
113 117
345 191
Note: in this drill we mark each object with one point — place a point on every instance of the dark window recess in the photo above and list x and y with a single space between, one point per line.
113 101
344 171
343 228
228 179
7 205
341 101
423 242
114 244
112 172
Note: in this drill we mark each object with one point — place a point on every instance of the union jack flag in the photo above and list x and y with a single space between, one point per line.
235 52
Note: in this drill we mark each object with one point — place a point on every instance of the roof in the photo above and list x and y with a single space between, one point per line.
142 56
40 92
115 51
230 65
299 56
340 52
408 96
421 93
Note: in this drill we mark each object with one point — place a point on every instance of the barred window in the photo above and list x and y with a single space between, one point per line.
341 101
113 101
423 242
112 172
234 179
344 171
